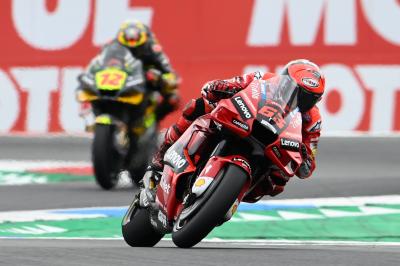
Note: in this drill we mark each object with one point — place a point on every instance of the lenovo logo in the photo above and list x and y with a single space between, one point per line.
289 144
175 159
242 107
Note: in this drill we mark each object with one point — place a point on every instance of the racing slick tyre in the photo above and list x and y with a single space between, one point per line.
137 229
105 157
189 232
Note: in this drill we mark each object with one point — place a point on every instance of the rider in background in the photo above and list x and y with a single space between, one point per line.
311 84
160 76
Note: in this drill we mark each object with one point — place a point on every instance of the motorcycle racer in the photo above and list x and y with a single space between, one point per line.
160 76
310 83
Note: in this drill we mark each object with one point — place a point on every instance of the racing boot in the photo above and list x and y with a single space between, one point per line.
153 176
148 192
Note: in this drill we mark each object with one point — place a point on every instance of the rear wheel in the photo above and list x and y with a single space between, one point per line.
137 229
189 232
106 159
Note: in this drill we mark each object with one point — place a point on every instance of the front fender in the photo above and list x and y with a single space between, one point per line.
214 165
209 179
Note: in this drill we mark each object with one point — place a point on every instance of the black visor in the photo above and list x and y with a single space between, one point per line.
306 99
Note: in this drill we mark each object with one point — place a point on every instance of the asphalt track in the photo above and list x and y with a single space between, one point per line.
346 167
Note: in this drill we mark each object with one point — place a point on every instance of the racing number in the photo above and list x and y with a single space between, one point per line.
111 79
275 114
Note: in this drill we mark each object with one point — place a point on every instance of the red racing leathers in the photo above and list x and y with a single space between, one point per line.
214 91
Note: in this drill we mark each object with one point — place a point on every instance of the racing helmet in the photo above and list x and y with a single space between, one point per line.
132 34
310 82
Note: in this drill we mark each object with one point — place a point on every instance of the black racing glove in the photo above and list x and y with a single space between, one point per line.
304 170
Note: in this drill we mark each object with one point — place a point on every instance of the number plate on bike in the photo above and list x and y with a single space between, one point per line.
110 79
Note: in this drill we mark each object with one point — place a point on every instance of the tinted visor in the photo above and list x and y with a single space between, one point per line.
306 99
133 37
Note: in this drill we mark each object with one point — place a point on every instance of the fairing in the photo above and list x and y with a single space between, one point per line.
267 111
265 114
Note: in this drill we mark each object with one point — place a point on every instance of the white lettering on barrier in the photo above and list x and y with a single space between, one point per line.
304 20
66 25
9 103
384 17
109 16
69 107
341 31
384 81
39 83
51 30
342 79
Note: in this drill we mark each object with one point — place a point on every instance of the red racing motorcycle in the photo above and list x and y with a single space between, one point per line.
218 162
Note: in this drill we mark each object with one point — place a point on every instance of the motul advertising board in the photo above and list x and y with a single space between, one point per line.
45 44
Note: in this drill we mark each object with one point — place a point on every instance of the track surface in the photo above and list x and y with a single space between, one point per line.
346 167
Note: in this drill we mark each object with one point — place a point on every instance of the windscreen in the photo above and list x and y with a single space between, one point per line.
116 56
280 91
278 104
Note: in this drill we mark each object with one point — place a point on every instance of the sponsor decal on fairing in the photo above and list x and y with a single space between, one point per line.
290 144
241 106
201 185
165 186
244 163
276 151
255 92
241 125
175 159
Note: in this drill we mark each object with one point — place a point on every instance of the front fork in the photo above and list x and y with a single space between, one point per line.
217 163
86 113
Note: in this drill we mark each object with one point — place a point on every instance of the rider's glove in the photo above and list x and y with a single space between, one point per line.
169 83
153 76
305 168
216 90
168 105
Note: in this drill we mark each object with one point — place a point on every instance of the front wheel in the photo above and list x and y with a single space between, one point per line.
137 229
106 159
188 233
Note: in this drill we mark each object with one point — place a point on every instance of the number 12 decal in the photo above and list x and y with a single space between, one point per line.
110 79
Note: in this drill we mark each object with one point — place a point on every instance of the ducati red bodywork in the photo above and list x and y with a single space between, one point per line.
247 114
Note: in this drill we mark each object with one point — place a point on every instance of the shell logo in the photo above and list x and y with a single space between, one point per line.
200 182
